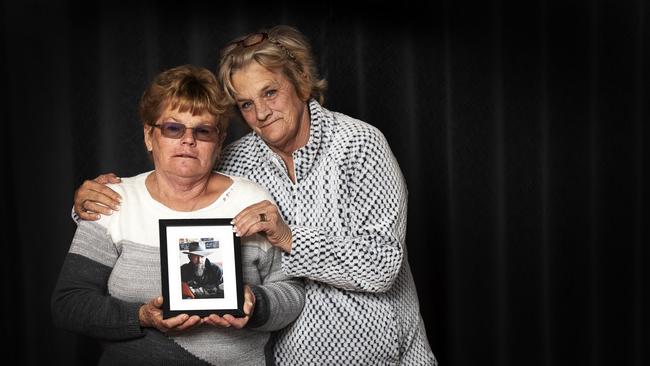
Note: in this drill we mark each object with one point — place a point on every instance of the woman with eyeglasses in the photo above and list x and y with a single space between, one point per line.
109 286
340 191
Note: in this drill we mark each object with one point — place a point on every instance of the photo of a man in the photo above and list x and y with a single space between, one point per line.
201 278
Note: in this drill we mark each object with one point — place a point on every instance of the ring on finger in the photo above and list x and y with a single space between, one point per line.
263 217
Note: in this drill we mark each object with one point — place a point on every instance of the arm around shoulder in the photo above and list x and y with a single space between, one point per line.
94 198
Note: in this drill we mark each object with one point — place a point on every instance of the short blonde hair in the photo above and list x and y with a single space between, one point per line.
279 48
185 88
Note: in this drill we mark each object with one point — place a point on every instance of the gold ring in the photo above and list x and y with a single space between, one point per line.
263 217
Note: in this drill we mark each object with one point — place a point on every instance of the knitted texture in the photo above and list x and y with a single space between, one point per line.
114 266
347 211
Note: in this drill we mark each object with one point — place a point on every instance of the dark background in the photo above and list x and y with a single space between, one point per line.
521 130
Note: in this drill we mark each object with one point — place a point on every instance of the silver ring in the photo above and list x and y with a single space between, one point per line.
263 217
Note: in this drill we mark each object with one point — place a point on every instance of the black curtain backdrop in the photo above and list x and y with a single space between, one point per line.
520 126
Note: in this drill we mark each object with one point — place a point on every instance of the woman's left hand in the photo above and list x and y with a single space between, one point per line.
264 217
151 315
228 320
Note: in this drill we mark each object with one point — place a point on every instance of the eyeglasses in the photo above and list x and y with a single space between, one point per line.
257 38
175 130
252 40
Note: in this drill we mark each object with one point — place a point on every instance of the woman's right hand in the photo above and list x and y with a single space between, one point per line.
150 315
93 197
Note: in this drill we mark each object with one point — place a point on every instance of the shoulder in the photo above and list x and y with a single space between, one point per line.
351 134
248 190
133 193
242 144
240 156
349 127
130 185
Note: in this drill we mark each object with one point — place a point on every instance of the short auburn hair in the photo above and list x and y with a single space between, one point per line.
185 88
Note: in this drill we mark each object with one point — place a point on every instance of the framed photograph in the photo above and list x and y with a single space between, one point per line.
200 262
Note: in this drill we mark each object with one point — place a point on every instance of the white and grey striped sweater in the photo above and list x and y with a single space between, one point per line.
113 267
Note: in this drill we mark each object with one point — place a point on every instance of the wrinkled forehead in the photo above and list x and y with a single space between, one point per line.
254 78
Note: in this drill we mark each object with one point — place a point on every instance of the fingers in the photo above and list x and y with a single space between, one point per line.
252 225
151 316
100 193
157 302
249 300
173 322
108 178
249 222
237 323
253 209
87 215
181 323
216 321
96 208
226 321
93 198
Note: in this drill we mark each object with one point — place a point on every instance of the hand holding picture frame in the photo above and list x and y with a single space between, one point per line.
201 274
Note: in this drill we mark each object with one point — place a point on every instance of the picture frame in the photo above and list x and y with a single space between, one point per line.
192 251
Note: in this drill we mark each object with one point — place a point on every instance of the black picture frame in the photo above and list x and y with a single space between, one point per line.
209 238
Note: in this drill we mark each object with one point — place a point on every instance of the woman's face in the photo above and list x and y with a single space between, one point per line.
186 156
271 107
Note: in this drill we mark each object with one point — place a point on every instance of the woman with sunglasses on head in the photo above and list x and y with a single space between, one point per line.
109 286
340 191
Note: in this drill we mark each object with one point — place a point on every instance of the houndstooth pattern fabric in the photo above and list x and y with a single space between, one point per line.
347 211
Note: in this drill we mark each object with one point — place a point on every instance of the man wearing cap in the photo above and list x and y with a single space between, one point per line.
200 277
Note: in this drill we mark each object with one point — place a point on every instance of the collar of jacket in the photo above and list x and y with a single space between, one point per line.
305 158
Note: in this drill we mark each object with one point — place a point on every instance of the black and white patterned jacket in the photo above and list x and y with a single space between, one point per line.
347 211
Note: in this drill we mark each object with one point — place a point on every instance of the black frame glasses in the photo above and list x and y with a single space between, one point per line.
176 130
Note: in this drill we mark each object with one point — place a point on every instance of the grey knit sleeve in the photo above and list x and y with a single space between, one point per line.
279 299
80 302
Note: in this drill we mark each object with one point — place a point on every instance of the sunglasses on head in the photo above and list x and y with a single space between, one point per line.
175 130
256 38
